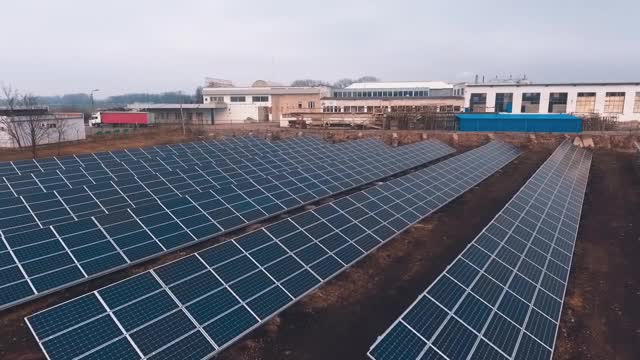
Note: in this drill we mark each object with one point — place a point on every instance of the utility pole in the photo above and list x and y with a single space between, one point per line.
92 103
184 133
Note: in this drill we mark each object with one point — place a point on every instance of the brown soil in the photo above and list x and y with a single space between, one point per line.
600 320
146 137
601 315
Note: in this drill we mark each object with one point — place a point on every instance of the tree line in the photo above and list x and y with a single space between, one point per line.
340 84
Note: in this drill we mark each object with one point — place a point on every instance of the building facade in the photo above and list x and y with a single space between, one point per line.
262 103
15 131
381 97
193 114
620 100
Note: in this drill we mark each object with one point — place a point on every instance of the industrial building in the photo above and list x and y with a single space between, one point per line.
371 104
195 114
380 97
18 127
260 102
617 100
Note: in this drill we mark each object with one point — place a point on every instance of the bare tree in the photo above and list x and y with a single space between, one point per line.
61 127
24 123
36 126
368 78
8 123
342 83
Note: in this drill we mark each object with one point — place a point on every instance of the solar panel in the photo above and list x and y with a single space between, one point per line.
207 300
502 297
204 157
99 198
110 241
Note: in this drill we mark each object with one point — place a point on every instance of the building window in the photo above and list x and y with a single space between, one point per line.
636 106
299 105
238 99
260 99
311 104
586 102
478 102
216 99
52 126
614 102
558 103
504 102
530 103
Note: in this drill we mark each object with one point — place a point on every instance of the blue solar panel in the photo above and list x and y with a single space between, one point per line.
502 298
109 241
260 273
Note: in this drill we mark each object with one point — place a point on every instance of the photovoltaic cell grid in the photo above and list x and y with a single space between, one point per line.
23 213
200 304
230 161
221 167
502 298
119 163
112 158
39 261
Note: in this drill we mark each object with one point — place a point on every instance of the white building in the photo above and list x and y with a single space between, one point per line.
621 100
399 89
379 97
261 103
52 127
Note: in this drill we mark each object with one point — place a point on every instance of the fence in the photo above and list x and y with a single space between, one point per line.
445 121
597 122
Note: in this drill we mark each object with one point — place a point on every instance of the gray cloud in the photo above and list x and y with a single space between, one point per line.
53 47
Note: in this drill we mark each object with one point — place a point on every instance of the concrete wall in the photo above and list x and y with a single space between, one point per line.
286 104
173 116
571 90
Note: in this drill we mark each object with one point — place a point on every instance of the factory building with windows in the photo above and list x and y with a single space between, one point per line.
381 97
618 100
261 102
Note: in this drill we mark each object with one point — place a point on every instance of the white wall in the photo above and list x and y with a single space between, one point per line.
74 130
238 112
571 90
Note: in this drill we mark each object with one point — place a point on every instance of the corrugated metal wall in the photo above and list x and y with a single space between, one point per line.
549 123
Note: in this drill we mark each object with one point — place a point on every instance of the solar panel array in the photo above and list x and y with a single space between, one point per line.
502 297
45 259
90 193
161 156
196 306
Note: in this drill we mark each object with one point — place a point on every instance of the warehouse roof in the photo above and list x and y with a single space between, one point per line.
401 85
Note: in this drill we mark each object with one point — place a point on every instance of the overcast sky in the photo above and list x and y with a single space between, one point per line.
53 47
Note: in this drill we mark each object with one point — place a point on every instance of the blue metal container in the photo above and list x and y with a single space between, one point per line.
500 122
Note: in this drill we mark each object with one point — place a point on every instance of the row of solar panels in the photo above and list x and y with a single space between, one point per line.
22 213
104 158
45 259
220 167
502 297
198 305
159 156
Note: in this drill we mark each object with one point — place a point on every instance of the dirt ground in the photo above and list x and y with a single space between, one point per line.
97 144
601 314
600 320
